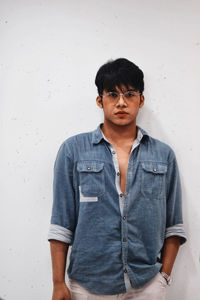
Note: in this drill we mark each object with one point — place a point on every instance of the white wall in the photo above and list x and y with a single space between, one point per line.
49 55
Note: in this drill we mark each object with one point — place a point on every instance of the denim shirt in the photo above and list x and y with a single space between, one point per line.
116 239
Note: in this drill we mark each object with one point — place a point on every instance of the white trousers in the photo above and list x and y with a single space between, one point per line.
155 289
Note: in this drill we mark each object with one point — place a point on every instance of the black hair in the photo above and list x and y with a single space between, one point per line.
119 72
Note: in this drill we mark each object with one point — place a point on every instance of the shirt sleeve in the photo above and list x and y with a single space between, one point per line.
63 220
174 220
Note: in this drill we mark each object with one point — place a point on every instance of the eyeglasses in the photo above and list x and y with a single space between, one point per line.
129 96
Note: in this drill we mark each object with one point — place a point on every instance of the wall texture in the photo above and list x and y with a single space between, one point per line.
49 55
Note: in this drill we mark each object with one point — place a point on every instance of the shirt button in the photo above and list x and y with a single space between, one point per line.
124 217
113 152
88 168
118 173
124 240
154 169
125 271
121 195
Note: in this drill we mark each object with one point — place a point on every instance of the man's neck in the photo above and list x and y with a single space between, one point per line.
119 134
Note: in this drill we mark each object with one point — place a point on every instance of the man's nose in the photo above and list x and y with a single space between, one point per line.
121 99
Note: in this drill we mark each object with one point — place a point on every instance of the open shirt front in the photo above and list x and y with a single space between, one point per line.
116 239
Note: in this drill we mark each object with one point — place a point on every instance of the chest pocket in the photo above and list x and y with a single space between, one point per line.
91 178
153 179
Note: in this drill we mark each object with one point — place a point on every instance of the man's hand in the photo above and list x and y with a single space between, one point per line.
61 292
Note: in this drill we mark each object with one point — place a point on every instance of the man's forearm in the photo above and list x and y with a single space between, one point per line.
59 252
169 253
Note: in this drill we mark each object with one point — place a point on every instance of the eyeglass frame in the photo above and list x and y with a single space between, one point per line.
119 94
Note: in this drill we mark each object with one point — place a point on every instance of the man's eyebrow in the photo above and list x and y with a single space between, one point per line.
112 90
133 90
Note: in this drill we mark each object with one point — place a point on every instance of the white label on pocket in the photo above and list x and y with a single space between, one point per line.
86 199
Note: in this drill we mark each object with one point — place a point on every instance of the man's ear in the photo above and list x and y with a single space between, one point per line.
99 101
141 101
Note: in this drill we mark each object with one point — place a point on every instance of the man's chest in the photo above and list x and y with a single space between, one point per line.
138 170
123 155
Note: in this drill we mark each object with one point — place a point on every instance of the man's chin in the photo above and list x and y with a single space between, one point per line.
121 122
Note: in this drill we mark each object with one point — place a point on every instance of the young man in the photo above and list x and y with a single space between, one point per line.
117 201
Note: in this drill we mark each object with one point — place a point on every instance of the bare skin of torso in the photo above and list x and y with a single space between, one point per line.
123 158
123 148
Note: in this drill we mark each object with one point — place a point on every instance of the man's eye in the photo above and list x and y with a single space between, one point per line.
130 94
113 94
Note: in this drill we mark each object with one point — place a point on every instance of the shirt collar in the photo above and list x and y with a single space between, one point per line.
97 134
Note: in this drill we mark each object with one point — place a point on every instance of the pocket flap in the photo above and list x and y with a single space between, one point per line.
154 167
89 166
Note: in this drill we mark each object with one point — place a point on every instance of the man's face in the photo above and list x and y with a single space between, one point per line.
113 107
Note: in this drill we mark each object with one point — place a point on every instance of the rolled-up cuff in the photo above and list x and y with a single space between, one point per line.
59 233
177 230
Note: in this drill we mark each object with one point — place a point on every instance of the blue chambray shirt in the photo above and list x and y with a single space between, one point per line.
116 239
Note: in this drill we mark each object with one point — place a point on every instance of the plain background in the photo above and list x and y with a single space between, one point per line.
49 55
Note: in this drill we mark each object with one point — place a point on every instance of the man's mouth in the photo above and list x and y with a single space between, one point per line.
121 113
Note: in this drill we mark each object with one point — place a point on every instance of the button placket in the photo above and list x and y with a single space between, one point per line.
123 207
117 179
121 203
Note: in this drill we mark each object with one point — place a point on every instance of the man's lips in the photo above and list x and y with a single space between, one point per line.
121 113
